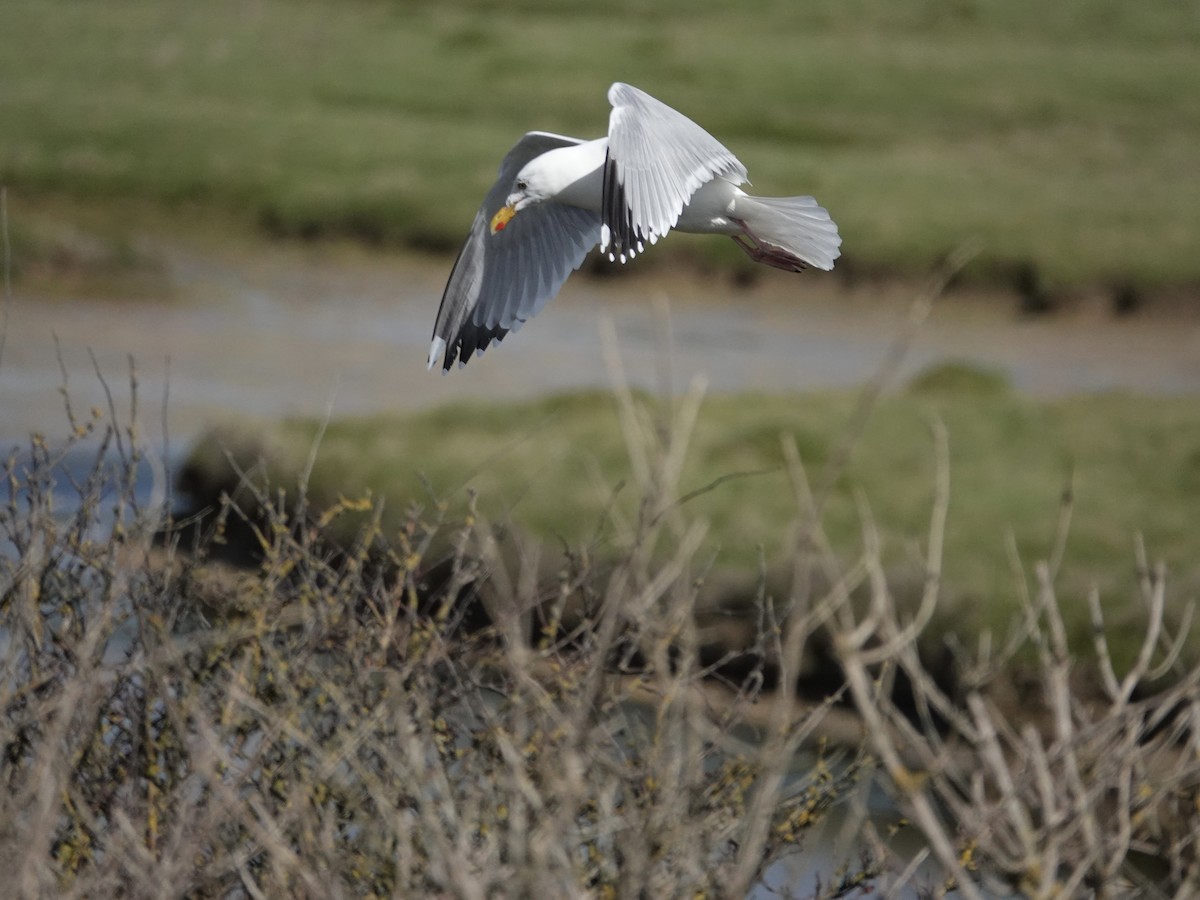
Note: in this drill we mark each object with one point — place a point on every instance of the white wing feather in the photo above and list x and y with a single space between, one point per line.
657 158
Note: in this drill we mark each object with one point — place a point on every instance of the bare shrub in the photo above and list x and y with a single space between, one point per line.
324 726
1067 791
339 721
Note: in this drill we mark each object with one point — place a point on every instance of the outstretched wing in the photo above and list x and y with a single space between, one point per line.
501 280
657 158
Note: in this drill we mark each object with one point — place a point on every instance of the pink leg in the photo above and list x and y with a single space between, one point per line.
762 252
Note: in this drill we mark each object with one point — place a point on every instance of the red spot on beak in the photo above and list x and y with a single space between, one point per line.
502 217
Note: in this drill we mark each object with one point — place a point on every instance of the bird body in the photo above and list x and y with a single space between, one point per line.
556 197
708 211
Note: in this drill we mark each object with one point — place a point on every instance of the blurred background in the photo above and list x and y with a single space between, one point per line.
256 204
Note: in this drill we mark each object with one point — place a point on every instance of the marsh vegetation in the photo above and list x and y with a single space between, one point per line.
410 707
1063 140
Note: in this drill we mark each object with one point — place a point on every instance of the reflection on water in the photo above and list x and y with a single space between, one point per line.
82 473
86 488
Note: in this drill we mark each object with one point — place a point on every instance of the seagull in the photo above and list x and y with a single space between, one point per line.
557 197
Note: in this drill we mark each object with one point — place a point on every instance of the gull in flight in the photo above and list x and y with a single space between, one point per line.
557 197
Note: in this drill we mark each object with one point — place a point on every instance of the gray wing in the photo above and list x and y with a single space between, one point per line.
501 280
657 158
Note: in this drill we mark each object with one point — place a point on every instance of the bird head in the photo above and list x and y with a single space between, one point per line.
528 188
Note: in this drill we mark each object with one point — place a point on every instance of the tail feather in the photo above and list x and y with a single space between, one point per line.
798 225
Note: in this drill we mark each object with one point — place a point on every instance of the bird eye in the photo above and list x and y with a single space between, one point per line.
521 185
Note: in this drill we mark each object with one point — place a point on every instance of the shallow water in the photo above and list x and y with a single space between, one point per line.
301 332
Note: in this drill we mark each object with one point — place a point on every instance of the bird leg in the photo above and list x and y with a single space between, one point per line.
763 252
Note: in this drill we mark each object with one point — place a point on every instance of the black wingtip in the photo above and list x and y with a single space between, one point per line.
471 340
625 240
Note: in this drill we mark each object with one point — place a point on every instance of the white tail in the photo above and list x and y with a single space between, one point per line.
797 225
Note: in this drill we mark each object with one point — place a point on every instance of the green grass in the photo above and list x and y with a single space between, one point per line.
55 255
553 467
1062 137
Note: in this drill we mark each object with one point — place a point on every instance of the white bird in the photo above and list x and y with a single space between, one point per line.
556 197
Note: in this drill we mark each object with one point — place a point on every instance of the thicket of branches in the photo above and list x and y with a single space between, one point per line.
421 714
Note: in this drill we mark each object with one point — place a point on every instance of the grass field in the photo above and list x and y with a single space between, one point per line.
561 469
1062 138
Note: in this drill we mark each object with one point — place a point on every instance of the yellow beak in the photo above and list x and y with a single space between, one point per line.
502 217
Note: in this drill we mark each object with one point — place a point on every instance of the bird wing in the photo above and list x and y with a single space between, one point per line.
657 158
501 280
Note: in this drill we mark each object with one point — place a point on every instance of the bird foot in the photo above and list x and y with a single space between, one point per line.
761 251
